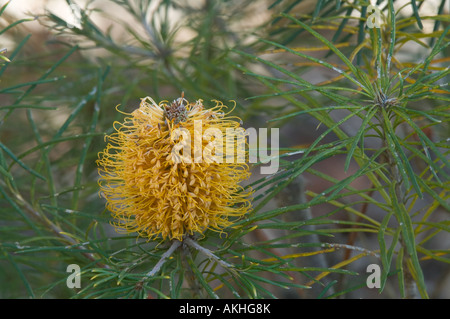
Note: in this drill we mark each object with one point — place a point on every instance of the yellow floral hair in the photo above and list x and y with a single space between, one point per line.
150 193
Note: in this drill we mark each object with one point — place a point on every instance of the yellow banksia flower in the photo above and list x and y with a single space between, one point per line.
154 190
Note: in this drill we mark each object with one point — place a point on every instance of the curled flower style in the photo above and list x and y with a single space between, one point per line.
154 190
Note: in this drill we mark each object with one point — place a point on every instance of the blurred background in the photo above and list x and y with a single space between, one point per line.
73 62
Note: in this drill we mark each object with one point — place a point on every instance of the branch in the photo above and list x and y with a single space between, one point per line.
54 228
163 259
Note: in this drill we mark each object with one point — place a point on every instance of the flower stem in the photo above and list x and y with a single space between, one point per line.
192 243
186 259
163 259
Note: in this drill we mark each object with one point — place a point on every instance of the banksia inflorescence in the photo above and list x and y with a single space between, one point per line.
155 191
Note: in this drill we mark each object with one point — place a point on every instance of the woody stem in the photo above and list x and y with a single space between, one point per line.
186 259
163 259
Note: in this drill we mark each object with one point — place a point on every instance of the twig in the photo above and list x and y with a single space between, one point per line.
192 243
411 289
191 279
350 247
54 228
163 259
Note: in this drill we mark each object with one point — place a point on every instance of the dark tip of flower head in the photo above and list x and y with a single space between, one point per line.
177 110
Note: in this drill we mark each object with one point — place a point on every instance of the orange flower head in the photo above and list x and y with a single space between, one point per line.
154 190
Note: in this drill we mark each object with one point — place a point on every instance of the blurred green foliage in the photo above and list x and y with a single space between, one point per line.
378 111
